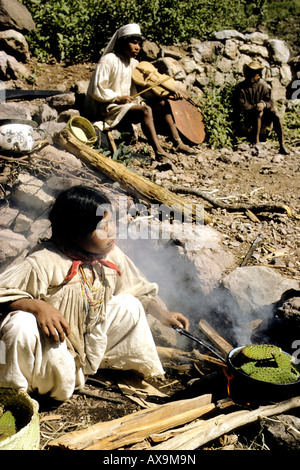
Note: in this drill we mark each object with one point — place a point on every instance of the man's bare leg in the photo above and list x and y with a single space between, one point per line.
143 114
278 128
175 135
258 127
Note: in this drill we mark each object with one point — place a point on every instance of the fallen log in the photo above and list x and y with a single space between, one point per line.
135 184
208 430
135 427
281 208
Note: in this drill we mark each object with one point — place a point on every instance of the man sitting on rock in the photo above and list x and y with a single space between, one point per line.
256 105
111 98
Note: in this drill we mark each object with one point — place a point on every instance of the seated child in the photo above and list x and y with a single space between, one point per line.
77 303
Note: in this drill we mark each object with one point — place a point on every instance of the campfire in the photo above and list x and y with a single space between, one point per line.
188 423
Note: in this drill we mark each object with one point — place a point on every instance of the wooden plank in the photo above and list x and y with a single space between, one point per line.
135 427
206 431
135 184
215 338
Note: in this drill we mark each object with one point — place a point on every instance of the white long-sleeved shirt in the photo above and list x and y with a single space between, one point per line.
111 78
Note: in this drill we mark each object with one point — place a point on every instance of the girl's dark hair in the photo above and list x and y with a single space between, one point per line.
76 213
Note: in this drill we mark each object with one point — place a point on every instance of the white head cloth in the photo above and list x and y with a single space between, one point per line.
131 29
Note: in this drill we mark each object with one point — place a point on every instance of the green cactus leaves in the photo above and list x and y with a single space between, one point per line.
7 425
267 363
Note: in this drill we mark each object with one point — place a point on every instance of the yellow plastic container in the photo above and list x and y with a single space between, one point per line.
25 411
82 129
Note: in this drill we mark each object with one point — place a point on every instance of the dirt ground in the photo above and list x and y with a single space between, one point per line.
247 175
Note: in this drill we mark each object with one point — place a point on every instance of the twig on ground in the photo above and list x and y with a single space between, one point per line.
232 207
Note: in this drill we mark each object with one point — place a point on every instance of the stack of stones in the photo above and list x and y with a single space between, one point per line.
222 59
15 22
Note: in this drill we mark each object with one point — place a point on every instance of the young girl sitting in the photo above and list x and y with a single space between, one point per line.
77 303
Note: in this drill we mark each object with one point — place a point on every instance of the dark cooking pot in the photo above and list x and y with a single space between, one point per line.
251 389
242 387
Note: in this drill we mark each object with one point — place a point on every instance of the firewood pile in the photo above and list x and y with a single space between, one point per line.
177 424
181 425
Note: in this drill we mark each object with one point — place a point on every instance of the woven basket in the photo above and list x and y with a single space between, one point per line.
82 129
25 411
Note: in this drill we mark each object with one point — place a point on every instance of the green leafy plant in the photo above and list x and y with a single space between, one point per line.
217 109
291 123
77 30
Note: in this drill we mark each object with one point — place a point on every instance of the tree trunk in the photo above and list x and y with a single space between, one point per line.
134 184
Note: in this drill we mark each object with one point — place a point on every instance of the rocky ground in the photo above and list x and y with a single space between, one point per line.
246 175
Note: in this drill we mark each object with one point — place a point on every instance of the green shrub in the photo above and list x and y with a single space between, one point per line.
217 108
291 123
64 29
76 31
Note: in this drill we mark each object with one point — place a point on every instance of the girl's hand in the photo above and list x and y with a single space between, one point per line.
49 319
168 318
175 318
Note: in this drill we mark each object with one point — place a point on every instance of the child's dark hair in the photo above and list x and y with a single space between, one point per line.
76 213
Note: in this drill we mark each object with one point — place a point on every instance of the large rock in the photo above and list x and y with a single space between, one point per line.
279 50
150 50
14 15
170 66
282 434
62 102
30 196
228 34
285 75
62 158
254 50
44 114
7 216
278 91
10 68
11 245
256 37
183 258
205 51
15 44
255 287
231 49
14 111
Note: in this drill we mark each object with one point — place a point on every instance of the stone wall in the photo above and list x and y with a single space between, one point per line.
221 61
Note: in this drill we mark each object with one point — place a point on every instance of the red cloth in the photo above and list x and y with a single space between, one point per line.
80 259
76 264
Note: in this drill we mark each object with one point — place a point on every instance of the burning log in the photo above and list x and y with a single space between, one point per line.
135 427
135 184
